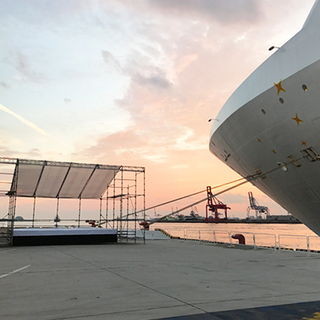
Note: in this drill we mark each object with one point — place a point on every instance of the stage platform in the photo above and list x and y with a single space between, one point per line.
62 236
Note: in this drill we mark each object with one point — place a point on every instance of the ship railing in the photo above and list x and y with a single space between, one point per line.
192 234
266 240
222 236
293 242
208 235
225 236
256 240
314 243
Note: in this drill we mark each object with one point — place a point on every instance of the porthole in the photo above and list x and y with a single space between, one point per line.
263 111
304 87
281 100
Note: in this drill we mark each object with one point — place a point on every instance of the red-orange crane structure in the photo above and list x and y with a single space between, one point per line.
213 205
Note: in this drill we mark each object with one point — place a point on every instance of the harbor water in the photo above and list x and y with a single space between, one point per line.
282 235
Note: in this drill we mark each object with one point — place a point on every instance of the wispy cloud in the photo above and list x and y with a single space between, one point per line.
110 60
25 70
226 12
25 121
4 84
153 80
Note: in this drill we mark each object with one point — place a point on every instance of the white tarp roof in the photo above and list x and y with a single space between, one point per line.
52 179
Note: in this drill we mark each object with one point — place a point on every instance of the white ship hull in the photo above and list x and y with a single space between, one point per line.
273 118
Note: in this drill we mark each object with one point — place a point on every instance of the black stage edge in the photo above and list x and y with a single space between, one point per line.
61 240
38 237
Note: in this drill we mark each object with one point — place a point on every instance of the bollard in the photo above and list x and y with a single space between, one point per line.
239 237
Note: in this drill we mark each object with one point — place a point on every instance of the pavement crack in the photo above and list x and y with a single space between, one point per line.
133 281
116 312
155 290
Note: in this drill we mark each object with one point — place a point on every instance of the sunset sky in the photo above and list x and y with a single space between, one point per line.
134 83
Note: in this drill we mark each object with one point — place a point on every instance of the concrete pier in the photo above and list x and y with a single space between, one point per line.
161 279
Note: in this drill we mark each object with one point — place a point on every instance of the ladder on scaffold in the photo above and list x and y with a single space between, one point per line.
7 233
3 236
126 235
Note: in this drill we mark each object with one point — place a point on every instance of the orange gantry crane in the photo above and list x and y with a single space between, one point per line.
213 205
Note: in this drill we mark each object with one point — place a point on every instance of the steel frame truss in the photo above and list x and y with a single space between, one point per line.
127 202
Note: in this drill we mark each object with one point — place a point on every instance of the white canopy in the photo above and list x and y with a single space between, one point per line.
52 179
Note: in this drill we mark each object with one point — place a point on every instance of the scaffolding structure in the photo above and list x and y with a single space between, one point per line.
121 188
125 202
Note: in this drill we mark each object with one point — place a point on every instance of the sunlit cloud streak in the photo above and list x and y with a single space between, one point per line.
25 121
226 12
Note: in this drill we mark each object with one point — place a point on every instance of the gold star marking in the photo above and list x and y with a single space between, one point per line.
259 140
315 316
279 87
304 143
297 120
273 151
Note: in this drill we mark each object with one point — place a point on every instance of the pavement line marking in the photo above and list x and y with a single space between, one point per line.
7 250
14 271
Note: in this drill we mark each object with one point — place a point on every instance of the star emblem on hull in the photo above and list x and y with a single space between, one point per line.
304 143
297 120
279 87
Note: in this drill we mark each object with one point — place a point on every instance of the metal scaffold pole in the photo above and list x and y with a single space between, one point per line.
114 203
33 211
11 215
121 203
100 216
135 204
144 196
127 215
107 207
57 219
12 205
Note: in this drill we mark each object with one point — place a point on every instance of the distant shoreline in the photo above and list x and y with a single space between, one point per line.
232 221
